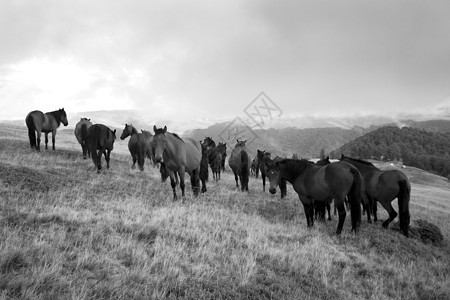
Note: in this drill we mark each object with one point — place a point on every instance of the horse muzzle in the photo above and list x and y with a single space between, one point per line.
272 191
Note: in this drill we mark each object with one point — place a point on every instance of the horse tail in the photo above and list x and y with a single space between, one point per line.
403 205
93 143
355 199
244 168
204 172
84 135
31 130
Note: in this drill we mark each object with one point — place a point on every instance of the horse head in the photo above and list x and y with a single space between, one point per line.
63 117
126 132
240 143
159 143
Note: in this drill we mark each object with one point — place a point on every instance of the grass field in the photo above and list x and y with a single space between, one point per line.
67 232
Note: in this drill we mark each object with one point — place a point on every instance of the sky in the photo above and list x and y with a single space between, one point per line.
210 59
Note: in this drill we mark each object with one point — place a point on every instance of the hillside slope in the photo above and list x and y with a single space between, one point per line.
419 148
68 232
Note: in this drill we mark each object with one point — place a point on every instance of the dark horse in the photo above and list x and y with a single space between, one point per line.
240 164
139 144
314 183
222 147
262 157
39 122
214 157
384 187
101 139
179 156
81 130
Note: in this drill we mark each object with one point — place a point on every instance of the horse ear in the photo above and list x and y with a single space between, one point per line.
165 129
88 119
342 156
114 131
154 128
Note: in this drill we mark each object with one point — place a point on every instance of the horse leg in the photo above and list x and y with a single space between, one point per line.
263 176
38 144
308 207
392 213
107 152
236 178
329 211
141 158
133 166
339 203
181 173
173 184
46 140
374 210
99 160
53 138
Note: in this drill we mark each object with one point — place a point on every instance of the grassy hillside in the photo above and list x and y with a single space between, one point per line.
69 233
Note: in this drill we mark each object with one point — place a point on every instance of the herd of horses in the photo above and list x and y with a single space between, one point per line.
349 182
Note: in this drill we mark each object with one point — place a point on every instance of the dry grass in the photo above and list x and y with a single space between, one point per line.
69 233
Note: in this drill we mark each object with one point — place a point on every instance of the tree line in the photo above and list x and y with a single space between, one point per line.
426 150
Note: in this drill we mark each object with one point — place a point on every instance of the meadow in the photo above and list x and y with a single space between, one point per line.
67 232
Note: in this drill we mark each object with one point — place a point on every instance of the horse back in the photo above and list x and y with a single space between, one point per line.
36 117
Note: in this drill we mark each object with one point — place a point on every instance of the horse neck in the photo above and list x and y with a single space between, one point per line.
291 171
133 130
56 115
172 144
362 167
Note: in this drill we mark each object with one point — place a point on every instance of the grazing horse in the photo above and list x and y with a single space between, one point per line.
222 147
101 139
139 144
39 122
384 187
179 156
81 130
315 183
239 164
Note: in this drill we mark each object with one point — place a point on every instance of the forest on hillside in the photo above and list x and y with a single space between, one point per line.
427 150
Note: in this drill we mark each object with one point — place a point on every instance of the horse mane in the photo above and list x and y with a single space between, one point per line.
177 136
360 161
56 115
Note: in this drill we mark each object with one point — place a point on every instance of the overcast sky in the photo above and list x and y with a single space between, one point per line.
201 59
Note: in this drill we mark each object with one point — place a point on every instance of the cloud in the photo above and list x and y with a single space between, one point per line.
202 57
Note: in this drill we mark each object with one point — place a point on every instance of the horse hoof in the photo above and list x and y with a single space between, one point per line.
99 171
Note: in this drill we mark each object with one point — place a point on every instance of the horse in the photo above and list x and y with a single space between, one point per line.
138 145
262 157
180 157
39 122
214 156
101 139
81 130
222 148
322 183
239 164
384 187
209 142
